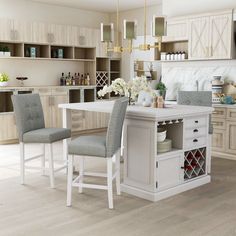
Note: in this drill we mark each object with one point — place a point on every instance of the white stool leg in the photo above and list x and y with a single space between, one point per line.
81 172
22 162
51 166
118 172
43 161
69 180
109 182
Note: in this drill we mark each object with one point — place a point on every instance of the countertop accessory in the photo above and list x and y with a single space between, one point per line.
21 79
161 135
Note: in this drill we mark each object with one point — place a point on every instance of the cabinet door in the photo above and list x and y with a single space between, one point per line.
23 31
45 100
57 112
199 38
218 140
7 30
7 128
39 32
230 137
221 36
169 172
176 30
60 34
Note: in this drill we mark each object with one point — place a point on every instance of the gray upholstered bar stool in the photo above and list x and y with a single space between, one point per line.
196 98
107 146
31 129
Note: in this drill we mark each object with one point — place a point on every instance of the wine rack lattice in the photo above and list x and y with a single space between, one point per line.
194 163
101 78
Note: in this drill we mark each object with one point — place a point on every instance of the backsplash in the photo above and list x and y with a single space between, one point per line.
183 75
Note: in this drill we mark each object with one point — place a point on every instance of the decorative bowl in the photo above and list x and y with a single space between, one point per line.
161 135
3 84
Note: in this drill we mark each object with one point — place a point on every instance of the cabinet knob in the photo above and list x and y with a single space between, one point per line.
195 131
195 140
182 167
196 121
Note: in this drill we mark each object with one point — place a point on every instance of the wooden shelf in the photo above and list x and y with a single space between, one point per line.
16 49
172 46
84 53
41 51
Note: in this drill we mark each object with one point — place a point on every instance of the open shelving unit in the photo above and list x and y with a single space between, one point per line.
172 46
194 163
107 70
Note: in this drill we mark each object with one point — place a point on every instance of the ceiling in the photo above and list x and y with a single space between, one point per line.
100 5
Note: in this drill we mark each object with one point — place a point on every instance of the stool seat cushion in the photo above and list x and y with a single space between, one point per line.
46 135
88 146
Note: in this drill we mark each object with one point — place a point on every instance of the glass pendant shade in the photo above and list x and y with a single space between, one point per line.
158 26
107 33
130 29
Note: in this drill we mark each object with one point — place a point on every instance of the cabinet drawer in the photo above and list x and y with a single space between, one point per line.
231 114
218 123
192 143
200 121
196 132
219 113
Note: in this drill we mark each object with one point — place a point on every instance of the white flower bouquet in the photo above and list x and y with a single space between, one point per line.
129 89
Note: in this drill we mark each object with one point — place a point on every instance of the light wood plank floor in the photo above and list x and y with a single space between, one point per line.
35 209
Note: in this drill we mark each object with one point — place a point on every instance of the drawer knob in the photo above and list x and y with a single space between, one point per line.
196 121
182 167
195 140
195 131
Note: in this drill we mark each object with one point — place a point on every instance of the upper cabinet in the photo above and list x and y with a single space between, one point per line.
221 36
207 36
177 30
210 36
199 38
14 30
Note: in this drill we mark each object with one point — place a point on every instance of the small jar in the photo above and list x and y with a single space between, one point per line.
163 56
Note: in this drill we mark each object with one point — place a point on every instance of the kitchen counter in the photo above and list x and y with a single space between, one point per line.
12 88
147 173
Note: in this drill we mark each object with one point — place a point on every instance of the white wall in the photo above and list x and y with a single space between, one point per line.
32 11
187 7
136 14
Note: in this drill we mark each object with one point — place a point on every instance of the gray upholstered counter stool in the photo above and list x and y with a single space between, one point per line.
196 98
107 146
31 129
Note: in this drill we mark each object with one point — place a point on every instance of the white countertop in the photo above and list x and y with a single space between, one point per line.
170 112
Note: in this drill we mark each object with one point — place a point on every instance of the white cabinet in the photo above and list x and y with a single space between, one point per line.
177 29
59 34
199 43
39 32
210 36
13 30
221 36
169 172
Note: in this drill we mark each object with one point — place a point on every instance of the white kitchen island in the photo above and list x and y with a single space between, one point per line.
154 176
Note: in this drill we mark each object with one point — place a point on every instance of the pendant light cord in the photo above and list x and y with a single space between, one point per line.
117 22
145 22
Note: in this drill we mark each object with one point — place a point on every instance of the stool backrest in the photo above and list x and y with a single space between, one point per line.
195 98
114 132
28 113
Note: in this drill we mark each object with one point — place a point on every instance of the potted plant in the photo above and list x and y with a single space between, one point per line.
161 89
6 51
1 51
4 78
